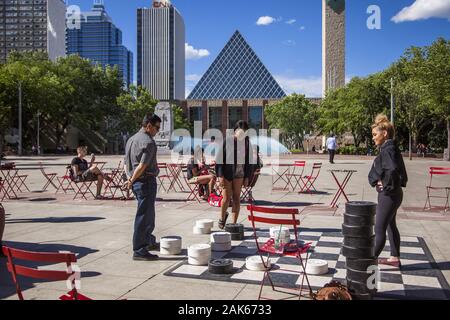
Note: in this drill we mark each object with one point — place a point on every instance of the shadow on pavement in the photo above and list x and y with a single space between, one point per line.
54 220
7 287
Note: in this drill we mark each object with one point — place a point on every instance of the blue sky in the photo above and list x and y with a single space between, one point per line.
291 46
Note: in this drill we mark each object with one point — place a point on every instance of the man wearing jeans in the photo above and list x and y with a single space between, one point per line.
142 169
332 146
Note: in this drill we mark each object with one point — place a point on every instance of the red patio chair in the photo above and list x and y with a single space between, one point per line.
114 182
294 250
297 175
53 258
82 187
175 171
193 187
443 186
247 192
311 179
165 174
65 182
49 177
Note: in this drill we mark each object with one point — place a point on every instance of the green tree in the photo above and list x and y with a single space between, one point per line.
293 116
352 108
134 105
436 80
180 119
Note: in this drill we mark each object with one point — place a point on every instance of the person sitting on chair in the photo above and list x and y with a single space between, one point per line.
198 173
84 172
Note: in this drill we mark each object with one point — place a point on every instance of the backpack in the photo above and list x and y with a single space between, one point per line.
214 200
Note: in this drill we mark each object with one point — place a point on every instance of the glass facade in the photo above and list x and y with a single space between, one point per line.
100 41
237 73
196 114
255 117
234 115
215 118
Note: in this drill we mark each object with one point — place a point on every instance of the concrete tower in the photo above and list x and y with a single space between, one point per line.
333 44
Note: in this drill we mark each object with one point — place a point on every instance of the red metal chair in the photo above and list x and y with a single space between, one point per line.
53 258
114 182
247 192
49 177
193 187
297 175
65 182
175 172
311 179
294 250
165 175
443 186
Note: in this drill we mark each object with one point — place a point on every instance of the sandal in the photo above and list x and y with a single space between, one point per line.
222 223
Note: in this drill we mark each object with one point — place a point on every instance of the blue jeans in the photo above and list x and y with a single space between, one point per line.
144 224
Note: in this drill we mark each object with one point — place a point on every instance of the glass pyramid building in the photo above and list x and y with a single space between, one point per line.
237 73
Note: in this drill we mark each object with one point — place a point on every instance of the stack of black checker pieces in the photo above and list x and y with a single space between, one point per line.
359 248
236 230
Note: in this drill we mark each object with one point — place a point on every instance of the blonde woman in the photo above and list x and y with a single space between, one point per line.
388 175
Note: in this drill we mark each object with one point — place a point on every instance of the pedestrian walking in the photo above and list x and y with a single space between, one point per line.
332 146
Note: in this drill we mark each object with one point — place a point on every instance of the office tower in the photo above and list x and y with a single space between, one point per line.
161 51
99 40
32 25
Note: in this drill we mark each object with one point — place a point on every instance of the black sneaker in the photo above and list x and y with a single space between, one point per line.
147 257
154 247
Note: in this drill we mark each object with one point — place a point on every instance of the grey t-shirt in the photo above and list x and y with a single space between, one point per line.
141 148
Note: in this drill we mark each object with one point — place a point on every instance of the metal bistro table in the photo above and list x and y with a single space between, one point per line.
341 185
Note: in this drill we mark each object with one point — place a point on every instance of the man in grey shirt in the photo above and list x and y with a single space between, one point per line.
142 169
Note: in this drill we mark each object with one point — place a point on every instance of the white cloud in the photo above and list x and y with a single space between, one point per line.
302 28
193 77
195 54
311 86
191 82
291 21
289 43
265 21
424 9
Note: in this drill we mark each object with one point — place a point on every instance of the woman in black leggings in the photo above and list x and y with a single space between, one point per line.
388 175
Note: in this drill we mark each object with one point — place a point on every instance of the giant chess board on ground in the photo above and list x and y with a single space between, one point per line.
419 278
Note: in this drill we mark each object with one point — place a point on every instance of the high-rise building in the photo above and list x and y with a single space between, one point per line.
161 51
32 25
333 46
99 40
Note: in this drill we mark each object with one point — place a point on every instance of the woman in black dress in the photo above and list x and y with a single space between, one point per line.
388 175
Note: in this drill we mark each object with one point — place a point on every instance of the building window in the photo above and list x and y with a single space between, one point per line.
234 115
215 118
255 117
195 114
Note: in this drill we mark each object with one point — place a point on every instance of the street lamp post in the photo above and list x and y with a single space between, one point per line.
38 129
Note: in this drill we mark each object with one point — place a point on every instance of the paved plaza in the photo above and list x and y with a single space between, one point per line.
100 233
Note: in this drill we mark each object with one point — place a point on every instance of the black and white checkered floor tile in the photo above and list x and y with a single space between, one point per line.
419 277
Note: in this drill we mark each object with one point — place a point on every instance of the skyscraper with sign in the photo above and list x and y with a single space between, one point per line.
161 51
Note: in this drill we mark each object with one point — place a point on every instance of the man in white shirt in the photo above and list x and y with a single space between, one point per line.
332 146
